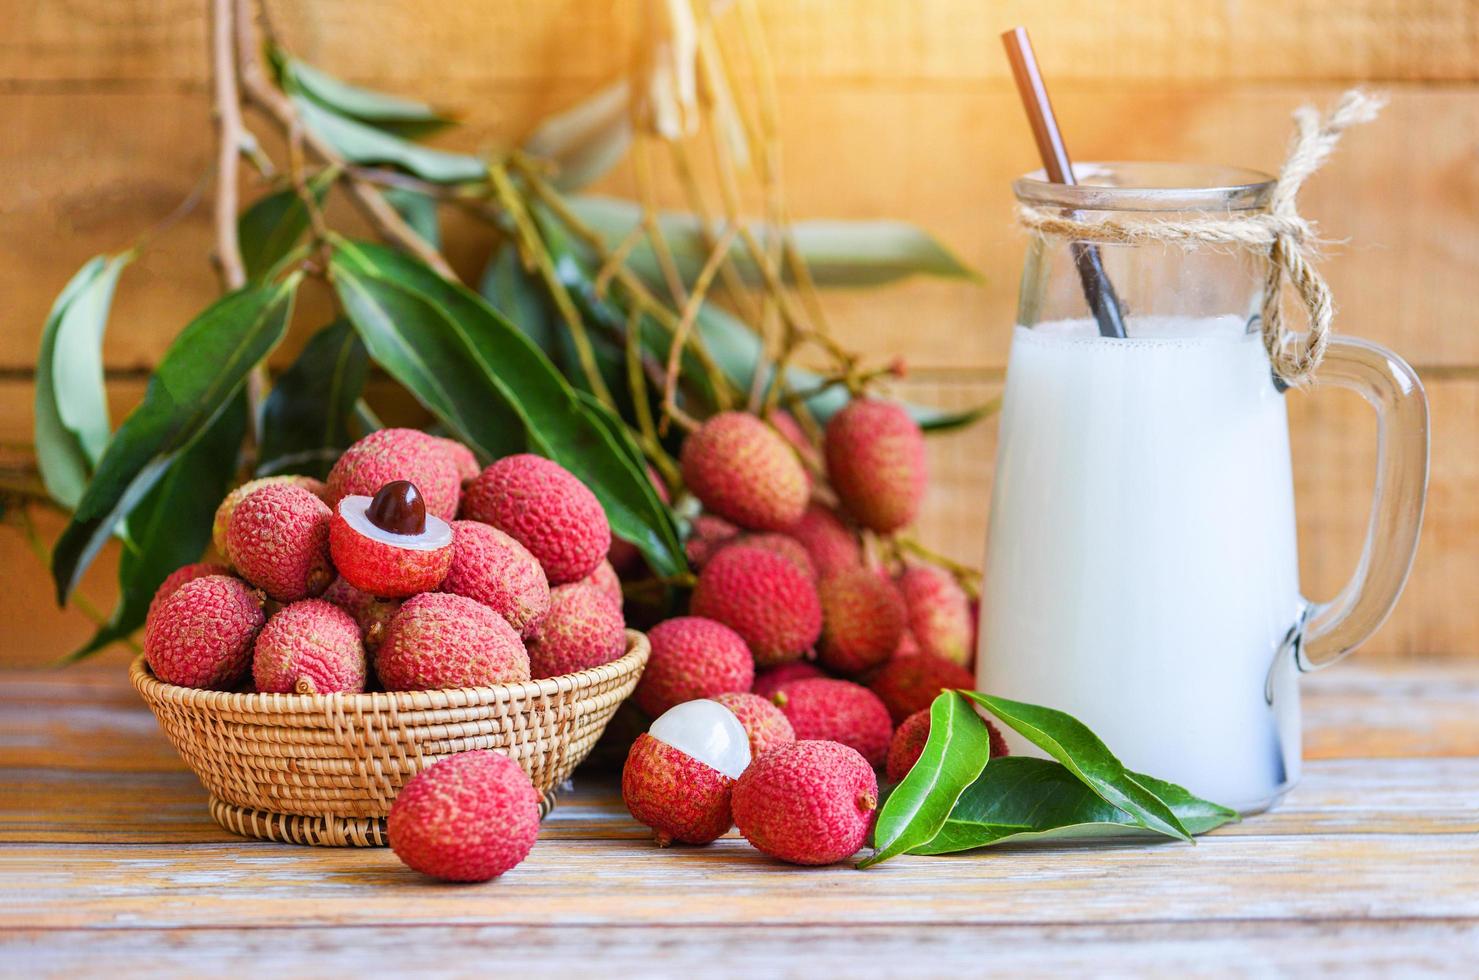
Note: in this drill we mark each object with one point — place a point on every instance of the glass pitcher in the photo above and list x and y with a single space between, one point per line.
1141 569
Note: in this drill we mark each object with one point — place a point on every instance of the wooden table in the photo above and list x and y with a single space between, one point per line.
110 864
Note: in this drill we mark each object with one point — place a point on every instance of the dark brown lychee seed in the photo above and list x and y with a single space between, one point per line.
398 508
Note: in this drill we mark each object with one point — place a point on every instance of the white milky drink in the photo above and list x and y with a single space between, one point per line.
1142 571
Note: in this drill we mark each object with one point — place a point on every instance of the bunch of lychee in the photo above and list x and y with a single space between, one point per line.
808 631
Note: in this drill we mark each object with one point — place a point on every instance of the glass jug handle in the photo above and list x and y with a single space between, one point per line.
1332 629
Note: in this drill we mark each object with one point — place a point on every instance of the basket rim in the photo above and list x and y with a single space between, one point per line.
152 688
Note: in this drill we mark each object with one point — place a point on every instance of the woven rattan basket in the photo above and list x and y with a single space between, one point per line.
324 769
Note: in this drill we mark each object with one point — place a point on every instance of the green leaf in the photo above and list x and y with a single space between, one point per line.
198 376
308 416
72 424
387 293
519 296
837 253
1022 799
586 140
268 230
407 117
360 143
419 210
954 755
1069 740
171 526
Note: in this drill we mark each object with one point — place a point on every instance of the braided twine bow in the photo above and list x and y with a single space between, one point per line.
1278 230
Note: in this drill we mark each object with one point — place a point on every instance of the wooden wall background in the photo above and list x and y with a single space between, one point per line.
889 109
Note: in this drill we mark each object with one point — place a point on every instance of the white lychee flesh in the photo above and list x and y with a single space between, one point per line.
707 731
438 533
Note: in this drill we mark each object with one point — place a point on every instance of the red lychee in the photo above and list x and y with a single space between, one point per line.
544 507
876 463
744 471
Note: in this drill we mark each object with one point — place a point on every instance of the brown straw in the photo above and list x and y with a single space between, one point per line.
1098 290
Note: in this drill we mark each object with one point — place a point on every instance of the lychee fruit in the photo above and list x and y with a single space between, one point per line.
876 463
177 578
439 640
470 817
810 802
692 658
201 634
462 458
679 773
772 679
222 520
604 579
766 724
762 597
908 744
389 545
388 455
831 544
939 612
708 536
862 620
780 544
493 568
785 423
309 647
838 711
909 683
278 540
370 613
744 471
545 508
583 629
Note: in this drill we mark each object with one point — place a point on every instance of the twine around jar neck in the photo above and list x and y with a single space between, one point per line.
1277 230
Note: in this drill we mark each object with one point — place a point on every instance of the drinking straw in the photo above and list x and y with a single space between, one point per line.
1098 290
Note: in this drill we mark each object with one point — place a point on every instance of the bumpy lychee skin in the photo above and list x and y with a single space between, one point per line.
876 463
908 744
810 802
222 520
545 508
838 711
939 612
691 658
831 544
370 613
201 634
909 682
462 458
678 775
177 578
709 536
309 647
744 471
862 620
605 580
583 629
779 544
493 568
388 455
438 640
762 597
785 423
772 679
766 724
470 817
278 539
384 564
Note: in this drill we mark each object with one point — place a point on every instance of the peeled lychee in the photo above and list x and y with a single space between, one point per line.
939 612
402 554
908 683
371 614
583 629
839 711
772 679
862 620
692 658
604 579
766 724
708 536
744 471
493 568
831 544
388 455
309 647
908 744
222 520
177 578
679 774
762 597
438 640
810 802
278 540
876 463
469 817
201 634
545 508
